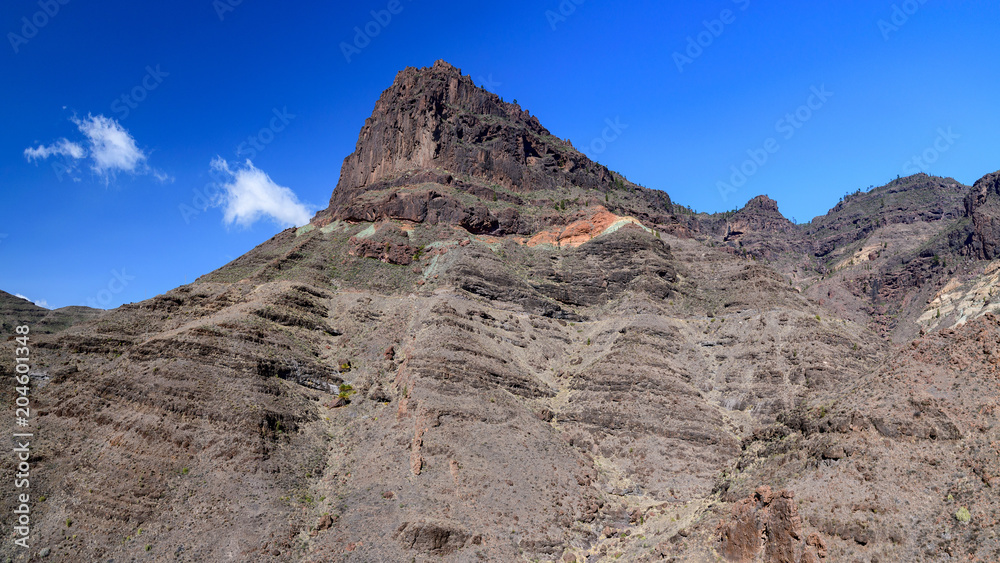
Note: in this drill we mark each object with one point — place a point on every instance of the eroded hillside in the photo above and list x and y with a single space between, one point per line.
489 348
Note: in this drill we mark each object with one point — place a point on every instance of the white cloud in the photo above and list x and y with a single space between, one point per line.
63 147
111 147
251 195
163 177
40 302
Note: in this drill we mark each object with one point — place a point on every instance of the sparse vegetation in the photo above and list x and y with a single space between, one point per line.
963 515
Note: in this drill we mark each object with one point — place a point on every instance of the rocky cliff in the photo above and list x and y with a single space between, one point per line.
439 149
982 206
438 118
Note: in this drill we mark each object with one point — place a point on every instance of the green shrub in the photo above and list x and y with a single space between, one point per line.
963 515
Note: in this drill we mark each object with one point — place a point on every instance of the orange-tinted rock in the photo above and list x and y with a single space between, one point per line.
594 222
766 522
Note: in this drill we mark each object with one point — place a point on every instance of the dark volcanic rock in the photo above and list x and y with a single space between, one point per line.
438 119
982 205
766 521
602 270
761 230
759 215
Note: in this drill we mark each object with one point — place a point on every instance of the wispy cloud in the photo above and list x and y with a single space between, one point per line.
109 147
40 302
62 147
163 177
251 195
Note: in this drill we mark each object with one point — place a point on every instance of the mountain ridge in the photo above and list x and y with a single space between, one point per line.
469 359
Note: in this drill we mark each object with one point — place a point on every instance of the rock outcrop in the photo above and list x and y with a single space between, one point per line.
437 118
761 230
440 149
767 524
759 215
982 206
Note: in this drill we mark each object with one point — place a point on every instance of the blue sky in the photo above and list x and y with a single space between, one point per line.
122 120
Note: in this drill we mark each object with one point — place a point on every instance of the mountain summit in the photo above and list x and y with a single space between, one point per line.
439 149
437 118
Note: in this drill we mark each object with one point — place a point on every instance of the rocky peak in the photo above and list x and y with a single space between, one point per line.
762 203
437 120
760 214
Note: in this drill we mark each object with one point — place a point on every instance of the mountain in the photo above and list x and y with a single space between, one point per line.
439 149
18 311
760 230
878 257
490 348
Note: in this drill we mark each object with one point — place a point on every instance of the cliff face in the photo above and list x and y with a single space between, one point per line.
442 151
438 119
982 206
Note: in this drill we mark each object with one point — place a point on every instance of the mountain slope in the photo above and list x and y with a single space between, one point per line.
490 348
15 311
